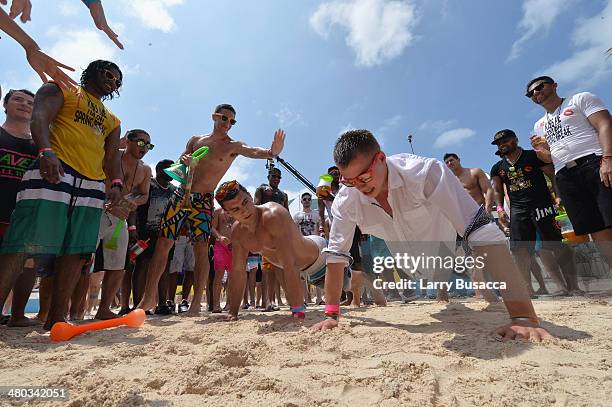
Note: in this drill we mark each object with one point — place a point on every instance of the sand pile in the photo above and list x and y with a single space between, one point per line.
421 354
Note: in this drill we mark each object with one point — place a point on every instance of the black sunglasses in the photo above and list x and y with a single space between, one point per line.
538 88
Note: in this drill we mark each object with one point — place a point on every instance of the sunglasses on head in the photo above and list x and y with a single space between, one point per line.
225 118
538 88
109 75
227 191
365 176
143 143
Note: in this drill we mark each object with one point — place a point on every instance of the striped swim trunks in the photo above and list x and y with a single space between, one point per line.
55 219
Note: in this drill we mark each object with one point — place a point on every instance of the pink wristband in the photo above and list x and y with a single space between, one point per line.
117 181
40 150
132 227
332 308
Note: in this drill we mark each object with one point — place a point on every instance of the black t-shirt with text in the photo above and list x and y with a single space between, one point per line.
16 155
524 181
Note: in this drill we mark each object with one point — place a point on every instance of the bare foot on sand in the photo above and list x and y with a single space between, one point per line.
22 322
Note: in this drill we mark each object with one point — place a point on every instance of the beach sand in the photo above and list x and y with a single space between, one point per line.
418 354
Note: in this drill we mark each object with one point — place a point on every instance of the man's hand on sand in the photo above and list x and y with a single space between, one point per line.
97 13
20 7
519 330
325 325
278 143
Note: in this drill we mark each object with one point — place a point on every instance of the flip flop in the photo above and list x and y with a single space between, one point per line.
183 306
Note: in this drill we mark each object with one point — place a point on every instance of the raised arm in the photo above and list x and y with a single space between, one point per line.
257 152
42 63
97 14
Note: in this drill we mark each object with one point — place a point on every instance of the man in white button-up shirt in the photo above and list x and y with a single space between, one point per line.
412 200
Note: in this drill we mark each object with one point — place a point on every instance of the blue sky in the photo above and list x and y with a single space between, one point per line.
449 72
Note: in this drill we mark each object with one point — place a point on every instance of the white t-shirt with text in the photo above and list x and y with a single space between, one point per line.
568 130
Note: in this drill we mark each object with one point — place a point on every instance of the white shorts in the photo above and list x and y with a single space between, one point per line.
113 259
315 273
183 259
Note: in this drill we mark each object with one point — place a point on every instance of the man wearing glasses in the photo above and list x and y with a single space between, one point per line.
110 260
223 150
269 229
62 194
575 134
410 199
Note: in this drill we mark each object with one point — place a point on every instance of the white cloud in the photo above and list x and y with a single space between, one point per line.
153 14
538 16
588 64
378 30
436 126
69 8
390 123
241 170
287 118
453 138
346 128
77 48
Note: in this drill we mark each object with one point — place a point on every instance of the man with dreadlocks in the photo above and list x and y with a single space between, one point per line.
62 194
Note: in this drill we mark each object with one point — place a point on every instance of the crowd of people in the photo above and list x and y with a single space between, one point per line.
84 215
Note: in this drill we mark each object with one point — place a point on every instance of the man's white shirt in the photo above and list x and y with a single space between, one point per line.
429 204
568 131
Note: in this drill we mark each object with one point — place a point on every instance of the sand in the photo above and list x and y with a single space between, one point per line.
419 354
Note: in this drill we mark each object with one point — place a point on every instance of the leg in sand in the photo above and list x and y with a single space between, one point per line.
202 267
21 294
67 270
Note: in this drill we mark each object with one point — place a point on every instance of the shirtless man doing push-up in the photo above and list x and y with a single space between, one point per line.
269 229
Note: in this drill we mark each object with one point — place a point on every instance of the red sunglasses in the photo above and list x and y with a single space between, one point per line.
365 176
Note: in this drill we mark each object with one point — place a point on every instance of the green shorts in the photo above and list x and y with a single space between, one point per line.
55 219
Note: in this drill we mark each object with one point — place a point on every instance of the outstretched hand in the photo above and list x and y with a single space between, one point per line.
45 66
97 13
278 143
325 325
20 7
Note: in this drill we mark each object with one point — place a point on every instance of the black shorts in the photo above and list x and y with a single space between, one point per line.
524 223
258 274
587 200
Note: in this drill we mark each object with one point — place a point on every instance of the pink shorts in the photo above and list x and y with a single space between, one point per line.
222 257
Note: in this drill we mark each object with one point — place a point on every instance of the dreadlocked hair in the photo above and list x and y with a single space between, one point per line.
89 75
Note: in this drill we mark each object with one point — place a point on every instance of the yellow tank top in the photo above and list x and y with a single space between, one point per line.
78 132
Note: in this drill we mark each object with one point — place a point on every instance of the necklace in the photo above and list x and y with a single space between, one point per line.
511 168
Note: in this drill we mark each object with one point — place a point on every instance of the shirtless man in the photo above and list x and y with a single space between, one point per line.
476 184
474 180
209 171
269 229
222 252
136 181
